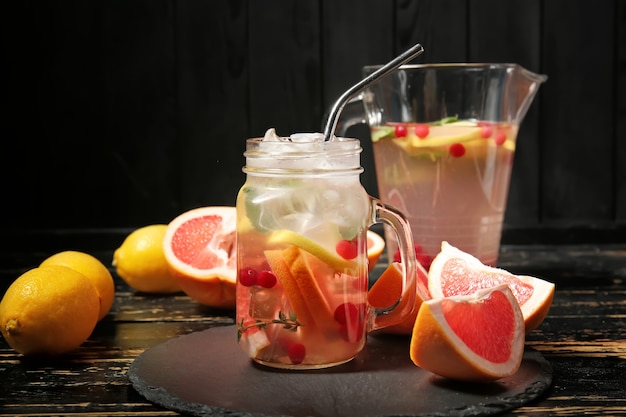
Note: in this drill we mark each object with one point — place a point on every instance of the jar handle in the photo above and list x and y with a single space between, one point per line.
384 317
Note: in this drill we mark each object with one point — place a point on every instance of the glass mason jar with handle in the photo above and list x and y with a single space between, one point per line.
302 219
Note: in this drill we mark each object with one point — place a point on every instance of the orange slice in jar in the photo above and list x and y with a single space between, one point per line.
296 299
301 288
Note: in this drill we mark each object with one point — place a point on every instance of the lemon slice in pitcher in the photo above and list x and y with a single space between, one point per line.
440 136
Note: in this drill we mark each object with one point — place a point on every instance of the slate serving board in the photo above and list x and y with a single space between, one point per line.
206 374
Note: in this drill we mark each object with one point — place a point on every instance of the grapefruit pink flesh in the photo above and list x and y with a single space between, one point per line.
199 247
454 272
478 337
200 241
460 279
465 318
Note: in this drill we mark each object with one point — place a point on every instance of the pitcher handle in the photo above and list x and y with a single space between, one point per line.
384 317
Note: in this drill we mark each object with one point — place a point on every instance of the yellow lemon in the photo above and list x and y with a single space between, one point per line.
93 269
49 310
140 261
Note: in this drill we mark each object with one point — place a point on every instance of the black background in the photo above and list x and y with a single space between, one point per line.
118 114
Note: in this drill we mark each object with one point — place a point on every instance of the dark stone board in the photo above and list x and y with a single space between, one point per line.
206 374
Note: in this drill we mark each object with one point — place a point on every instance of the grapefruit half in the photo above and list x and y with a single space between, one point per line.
200 249
478 337
454 272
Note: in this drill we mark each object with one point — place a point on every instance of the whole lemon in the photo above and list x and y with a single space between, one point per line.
93 269
141 263
49 310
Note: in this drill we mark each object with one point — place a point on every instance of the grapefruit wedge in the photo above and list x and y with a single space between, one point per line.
478 337
454 272
386 291
200 249
301 288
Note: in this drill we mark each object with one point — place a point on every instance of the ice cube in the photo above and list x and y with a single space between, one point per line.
271 136
307 137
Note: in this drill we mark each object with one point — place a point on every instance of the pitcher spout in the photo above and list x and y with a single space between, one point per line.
522 90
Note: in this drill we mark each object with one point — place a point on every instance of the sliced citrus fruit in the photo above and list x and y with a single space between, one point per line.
478 337
454 272
443 135
301 288
200 249
295 297
440 136
292 238
386 291
375 247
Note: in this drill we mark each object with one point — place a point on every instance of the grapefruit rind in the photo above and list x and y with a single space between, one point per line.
285 236
275 259
217 290
534 295
436 346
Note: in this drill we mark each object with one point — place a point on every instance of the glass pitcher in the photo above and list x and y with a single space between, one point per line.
444 136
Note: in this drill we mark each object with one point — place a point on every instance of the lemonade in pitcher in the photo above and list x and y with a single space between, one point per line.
302 220
443 139
450 178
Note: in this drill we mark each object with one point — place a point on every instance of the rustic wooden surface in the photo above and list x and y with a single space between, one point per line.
584 338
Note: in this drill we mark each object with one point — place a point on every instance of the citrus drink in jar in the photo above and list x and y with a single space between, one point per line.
302 219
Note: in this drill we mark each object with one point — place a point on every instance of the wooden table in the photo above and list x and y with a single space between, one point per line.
584 338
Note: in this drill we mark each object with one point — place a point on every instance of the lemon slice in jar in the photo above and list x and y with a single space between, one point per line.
292 238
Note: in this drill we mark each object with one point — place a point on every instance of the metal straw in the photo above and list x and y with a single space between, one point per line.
377 75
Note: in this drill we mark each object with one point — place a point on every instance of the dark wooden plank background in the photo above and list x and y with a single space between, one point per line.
121 113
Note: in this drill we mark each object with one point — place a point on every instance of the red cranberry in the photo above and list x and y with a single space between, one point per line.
486 132
457 150
400 131
346 314
247 277
422 130
266 279
296 353
347 249
500 138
